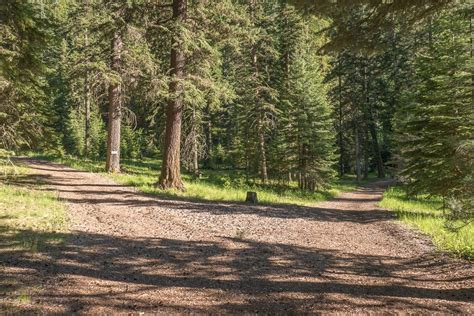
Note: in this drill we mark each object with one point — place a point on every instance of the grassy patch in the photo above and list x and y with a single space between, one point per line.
426 214
24 298
213 185
31 221
30 218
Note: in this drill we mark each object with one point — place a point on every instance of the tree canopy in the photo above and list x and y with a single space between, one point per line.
291 93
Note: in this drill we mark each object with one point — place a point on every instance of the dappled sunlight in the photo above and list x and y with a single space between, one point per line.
248 275
138 252
212 185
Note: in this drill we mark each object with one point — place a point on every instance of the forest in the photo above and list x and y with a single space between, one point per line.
202 101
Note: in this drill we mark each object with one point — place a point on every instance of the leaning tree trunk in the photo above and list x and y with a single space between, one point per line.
170 170
115 109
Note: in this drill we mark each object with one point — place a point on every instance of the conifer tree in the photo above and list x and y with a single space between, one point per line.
196 81
24 39
256 70
109 59
305 123
434 125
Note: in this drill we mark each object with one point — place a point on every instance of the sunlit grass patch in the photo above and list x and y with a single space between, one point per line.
212 185
31 221
426 214
24 298
30 218
210 189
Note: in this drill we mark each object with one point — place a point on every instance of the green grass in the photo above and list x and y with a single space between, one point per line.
426 215
24 298
30 218
213 185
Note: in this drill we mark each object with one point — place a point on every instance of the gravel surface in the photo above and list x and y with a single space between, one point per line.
131 252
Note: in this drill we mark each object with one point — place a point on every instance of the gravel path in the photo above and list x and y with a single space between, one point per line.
129 252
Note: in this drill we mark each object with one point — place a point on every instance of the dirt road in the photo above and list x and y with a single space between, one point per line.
129 252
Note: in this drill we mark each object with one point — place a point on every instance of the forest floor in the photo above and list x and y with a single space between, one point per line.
131 252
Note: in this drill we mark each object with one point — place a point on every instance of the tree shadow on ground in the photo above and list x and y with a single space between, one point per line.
212 178
219 274
224 275
125 196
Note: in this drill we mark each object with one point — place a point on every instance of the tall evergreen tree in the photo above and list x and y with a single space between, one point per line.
305 125
24 40
434 125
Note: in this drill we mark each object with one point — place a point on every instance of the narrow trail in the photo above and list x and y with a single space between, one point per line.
130 252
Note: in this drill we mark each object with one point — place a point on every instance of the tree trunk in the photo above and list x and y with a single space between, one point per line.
357 154
376 148
195 158
195 148
170 170
260 129
115 109
341 136
208 131
263 156
366 153
302 167
87 105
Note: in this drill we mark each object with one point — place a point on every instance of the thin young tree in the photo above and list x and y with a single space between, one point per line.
115 107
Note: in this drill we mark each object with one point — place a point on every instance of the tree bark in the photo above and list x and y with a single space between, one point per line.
366 153
115 109
376 148
302 167
357 154
170 171
195 157
263 156
87 105
341 136
195 148
208 131
260 128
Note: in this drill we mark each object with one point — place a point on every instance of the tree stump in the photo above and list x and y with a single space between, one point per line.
251 197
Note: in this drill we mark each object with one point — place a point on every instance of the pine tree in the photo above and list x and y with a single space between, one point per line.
305 124
434 125
196 81
24 41
256 71
109 60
